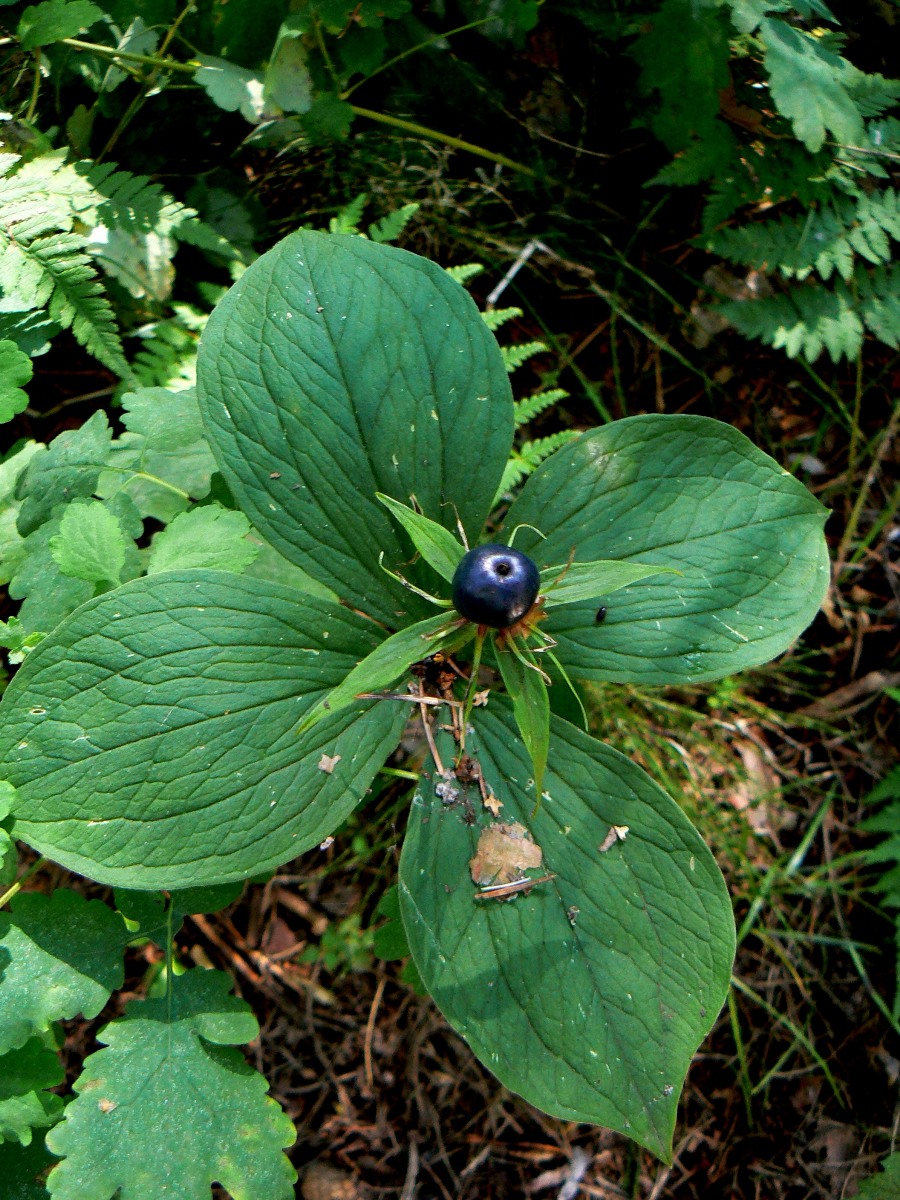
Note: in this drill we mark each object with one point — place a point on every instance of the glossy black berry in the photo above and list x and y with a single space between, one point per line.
495 585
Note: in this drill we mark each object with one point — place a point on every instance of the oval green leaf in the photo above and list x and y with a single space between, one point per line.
589 995
584 580
388 661
152 737
336 368
695 495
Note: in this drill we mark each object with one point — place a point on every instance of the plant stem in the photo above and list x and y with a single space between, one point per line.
146 85
35 88
323 50
862 496
392 62
398 774
473 685
445 139
151 479
17 886
148 60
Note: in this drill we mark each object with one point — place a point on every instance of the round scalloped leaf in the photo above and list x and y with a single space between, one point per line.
695 495
589 995
153 736
60 955
336 368
169 1108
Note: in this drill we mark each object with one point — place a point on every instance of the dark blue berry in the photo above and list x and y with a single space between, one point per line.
495 585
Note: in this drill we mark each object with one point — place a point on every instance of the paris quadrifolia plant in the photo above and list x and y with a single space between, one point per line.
194 728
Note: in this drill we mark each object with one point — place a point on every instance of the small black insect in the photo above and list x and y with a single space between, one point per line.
600 616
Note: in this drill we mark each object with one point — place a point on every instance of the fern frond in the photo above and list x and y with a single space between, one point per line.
514 356
137 205
526 410
389 228
77 299
349 217
529 457
872 93
824 240
494 318
464 273
168 355
807 320
887 821
878 298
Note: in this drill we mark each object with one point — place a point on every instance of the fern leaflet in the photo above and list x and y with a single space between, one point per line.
526 410
514 356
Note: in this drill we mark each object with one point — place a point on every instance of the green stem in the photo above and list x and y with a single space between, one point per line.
150 479
323 50
398 774
473 685
35 88
435 135
392 62
147 60
864 492
17 886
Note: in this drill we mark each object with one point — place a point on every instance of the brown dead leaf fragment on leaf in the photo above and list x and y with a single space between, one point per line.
503 853
617 833
328 762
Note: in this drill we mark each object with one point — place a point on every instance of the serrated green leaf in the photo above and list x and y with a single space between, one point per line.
164 457
168 1108
437 545
23 1168
54 20
810 86
388 662
531 708
309 394
69 467
567 584
167 756
390 938
11 468
48 596
683 492
885 1184
15 372
25 1103
61 956
231 87
210 536
90 544
590 995
328 119
689 81
288 83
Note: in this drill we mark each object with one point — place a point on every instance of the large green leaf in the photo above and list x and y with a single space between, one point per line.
152 737
169 1107
389 660
589 995
336 368
692 494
